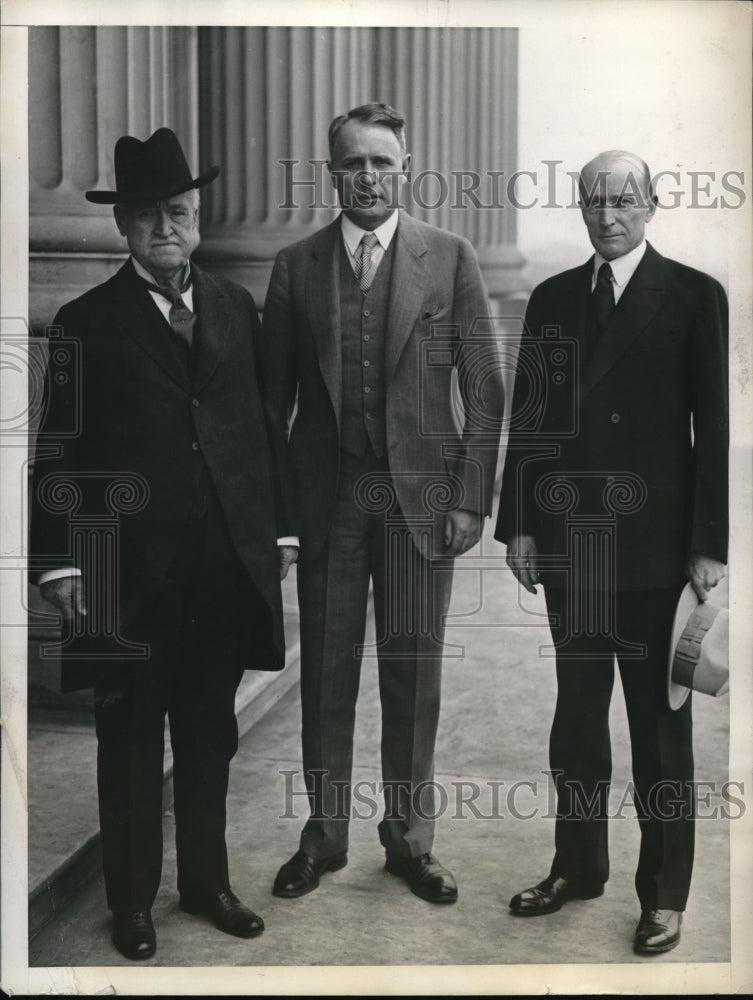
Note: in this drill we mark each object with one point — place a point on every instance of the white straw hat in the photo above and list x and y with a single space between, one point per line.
699 652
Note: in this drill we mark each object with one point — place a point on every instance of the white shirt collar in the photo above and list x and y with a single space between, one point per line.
352 233
143 273
623 268
161 301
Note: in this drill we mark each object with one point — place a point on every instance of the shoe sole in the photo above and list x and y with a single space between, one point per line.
197 910
656 949
589 894
137 956
333 865
416 891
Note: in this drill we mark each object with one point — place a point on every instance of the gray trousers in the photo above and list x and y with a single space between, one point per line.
411 598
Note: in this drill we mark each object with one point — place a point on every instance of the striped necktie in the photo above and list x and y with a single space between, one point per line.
181 318
365 269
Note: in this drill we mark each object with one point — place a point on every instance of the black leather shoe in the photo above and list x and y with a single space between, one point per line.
425 877
133 933
227 912
301 874
549 895
657 931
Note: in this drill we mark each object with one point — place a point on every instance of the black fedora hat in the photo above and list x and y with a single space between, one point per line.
150 170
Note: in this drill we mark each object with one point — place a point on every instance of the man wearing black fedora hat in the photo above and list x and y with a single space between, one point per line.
172 433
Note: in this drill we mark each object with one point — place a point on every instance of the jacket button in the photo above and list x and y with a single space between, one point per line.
195 445
367 364
367 312
194 402
615 418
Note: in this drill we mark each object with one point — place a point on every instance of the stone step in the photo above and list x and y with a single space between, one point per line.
64 841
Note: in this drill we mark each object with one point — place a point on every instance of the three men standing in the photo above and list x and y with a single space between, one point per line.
391 488
612 498
369 326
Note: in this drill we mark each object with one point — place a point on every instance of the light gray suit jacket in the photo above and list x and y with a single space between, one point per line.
444 396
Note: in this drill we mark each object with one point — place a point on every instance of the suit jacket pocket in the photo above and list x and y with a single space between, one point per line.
433 312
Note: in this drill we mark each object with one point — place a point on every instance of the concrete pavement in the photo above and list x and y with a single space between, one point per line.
493 831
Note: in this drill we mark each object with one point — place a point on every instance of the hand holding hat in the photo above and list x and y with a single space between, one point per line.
699 651
704 573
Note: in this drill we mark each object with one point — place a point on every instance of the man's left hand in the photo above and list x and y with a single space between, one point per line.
462 531
288 555
704 573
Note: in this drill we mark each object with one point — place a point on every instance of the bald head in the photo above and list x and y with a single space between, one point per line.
616 200
617 161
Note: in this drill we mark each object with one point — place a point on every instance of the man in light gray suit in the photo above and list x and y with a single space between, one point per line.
368 323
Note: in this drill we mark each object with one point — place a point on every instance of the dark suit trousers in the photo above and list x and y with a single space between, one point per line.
198 639
661 744
411 598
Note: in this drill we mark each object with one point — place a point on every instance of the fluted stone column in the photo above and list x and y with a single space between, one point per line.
87 87
267 96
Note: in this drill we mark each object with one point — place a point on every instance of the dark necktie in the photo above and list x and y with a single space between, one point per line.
602 297
601 308
181 318
365 269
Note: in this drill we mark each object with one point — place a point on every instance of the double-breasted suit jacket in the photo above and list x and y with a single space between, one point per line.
144 413
650 402
628 444
438 329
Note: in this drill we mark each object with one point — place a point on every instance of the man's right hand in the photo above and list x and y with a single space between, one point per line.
288 554
522 557
65 593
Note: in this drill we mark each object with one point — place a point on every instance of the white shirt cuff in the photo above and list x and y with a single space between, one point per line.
56 574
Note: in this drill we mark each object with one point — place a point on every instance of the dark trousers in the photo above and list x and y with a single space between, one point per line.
411 599
661 743
198 637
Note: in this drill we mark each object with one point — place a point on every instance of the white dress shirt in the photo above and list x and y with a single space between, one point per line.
623 269
352 235
163 304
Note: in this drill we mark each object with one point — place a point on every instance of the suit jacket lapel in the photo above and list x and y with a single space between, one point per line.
138 317
577 305
323 308
407 290
211 330
638 305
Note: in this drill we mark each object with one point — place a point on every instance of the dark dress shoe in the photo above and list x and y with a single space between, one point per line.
301 874
425 877
549 895
227 912
133 933
657 931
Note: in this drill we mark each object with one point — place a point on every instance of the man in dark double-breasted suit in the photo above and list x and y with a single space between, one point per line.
368 323
614 494
161 428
